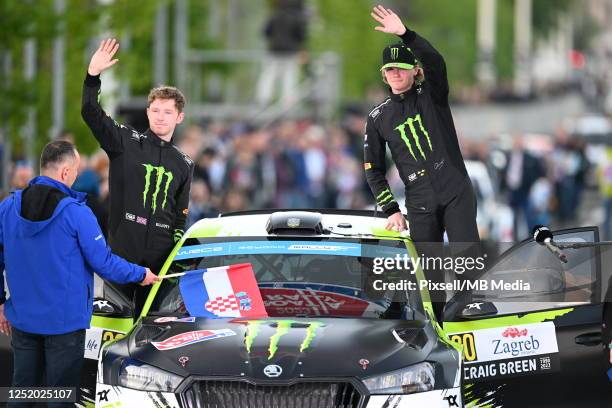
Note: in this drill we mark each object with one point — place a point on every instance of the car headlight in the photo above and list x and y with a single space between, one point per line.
417 378
139 376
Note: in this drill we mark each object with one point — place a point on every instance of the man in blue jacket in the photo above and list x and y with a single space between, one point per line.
51 244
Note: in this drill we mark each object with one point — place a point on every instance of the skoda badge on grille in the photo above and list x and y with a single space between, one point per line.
273 370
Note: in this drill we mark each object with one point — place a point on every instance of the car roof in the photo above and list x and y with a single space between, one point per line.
253 223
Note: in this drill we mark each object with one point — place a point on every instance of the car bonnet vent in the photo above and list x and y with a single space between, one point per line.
294 222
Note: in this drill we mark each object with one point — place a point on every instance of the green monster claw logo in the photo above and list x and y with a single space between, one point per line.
394 53
282 328
413 131
160 172
384 197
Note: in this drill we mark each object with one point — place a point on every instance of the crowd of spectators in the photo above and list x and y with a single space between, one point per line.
304 164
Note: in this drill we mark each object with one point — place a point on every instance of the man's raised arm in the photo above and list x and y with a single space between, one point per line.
104 128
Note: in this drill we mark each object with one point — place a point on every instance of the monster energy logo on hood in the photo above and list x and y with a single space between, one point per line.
415 136
282 328
160 173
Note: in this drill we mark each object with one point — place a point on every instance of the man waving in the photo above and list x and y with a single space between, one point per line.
415 122
150 177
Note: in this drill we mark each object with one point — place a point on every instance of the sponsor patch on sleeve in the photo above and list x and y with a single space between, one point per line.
367 166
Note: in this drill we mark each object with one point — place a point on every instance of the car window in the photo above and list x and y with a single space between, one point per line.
550 283
299 277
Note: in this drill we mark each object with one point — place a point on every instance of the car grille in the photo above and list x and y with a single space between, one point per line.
238 394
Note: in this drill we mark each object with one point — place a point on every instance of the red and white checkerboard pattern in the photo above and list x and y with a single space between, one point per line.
222 304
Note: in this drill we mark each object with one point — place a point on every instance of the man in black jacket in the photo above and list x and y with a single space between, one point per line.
150 177
415 121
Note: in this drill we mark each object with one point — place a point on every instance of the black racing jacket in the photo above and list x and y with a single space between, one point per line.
419 130
149 185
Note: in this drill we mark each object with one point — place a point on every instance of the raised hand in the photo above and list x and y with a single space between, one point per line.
390 22
103 57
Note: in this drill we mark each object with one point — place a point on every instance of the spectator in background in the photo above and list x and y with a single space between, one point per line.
315 161
285 34
21 175
93 180
66 135
604 179
200 203
520 174
234 200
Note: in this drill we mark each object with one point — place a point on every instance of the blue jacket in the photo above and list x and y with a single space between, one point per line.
49 264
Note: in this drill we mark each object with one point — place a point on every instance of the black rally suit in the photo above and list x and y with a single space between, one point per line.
418 127
149 185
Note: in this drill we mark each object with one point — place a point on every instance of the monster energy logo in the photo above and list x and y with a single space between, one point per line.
415 137
282 328
394 53
384 197
160 172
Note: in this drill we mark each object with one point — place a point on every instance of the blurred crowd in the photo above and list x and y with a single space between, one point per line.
541 179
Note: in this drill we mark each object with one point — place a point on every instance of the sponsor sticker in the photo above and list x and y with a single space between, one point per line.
130 217
165 226
95 339
508 351
193 337
312 302
169 319
165 319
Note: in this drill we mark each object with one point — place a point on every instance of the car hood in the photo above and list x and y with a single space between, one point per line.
300 347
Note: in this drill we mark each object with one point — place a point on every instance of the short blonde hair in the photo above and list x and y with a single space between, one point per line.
167 92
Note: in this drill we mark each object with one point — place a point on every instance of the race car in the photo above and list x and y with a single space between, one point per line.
327 339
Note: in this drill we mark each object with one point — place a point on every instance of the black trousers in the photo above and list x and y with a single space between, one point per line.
429 217
58 357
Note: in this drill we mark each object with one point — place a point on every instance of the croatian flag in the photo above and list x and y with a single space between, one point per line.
226 291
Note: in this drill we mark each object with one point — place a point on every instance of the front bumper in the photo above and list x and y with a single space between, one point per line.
108 396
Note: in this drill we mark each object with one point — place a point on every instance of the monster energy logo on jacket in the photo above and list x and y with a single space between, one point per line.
416 139
158 173
282 328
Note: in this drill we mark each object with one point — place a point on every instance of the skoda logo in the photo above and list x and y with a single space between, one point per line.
273 370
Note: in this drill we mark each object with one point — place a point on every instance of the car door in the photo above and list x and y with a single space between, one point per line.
538 342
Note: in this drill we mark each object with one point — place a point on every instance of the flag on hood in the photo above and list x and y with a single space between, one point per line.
226 291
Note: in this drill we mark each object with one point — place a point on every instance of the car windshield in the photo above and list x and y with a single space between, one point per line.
298 277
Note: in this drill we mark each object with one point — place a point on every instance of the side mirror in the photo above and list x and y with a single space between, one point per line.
106 308
476 310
